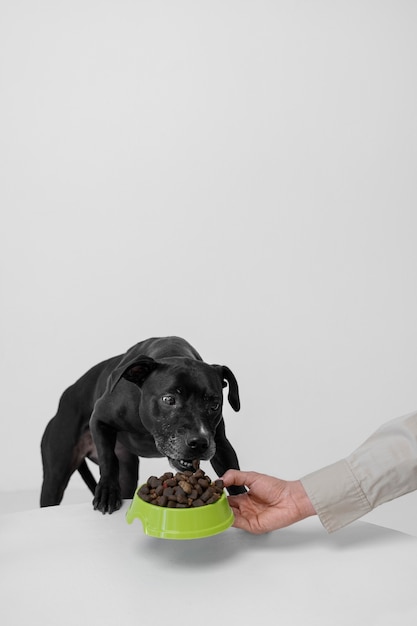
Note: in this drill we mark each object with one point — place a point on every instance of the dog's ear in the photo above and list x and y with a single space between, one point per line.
135 370
227 376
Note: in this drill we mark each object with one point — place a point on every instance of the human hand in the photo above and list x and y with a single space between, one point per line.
270 503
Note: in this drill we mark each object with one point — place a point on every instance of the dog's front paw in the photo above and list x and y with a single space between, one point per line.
107 497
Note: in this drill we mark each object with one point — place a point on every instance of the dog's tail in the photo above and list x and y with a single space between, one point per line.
87 477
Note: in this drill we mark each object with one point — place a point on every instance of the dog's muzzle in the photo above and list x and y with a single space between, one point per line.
183 452
184 466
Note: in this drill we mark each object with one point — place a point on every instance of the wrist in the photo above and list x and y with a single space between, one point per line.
303 502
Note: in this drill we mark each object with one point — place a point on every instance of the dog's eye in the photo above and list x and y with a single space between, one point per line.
168 399
215 406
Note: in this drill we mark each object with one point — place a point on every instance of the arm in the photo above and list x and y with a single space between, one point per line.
384 467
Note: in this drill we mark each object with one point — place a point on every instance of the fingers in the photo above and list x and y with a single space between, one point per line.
240 521
244 518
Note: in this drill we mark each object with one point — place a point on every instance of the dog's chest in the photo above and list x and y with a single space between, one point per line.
141 445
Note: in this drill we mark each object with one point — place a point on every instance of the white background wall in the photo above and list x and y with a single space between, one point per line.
240 173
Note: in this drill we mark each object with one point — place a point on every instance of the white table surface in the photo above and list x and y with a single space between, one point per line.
70 565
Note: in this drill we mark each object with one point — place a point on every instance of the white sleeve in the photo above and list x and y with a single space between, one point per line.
384 467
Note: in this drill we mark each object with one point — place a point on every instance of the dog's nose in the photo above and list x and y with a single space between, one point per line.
198 443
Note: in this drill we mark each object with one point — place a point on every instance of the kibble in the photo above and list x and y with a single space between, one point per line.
182 490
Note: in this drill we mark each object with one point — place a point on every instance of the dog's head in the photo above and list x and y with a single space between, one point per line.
180 403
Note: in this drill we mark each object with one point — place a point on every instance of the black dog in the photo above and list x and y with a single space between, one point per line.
158 399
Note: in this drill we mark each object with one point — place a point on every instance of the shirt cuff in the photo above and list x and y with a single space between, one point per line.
336 495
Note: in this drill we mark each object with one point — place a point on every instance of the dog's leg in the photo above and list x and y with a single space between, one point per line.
57 455
128 471
225 458
63 446
87 476
108 496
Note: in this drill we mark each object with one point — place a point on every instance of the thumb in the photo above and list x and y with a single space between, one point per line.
239 478
233 477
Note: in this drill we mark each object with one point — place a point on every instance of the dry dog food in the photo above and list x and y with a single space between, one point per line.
182 490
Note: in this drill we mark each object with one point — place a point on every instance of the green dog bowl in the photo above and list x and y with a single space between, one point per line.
190 523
